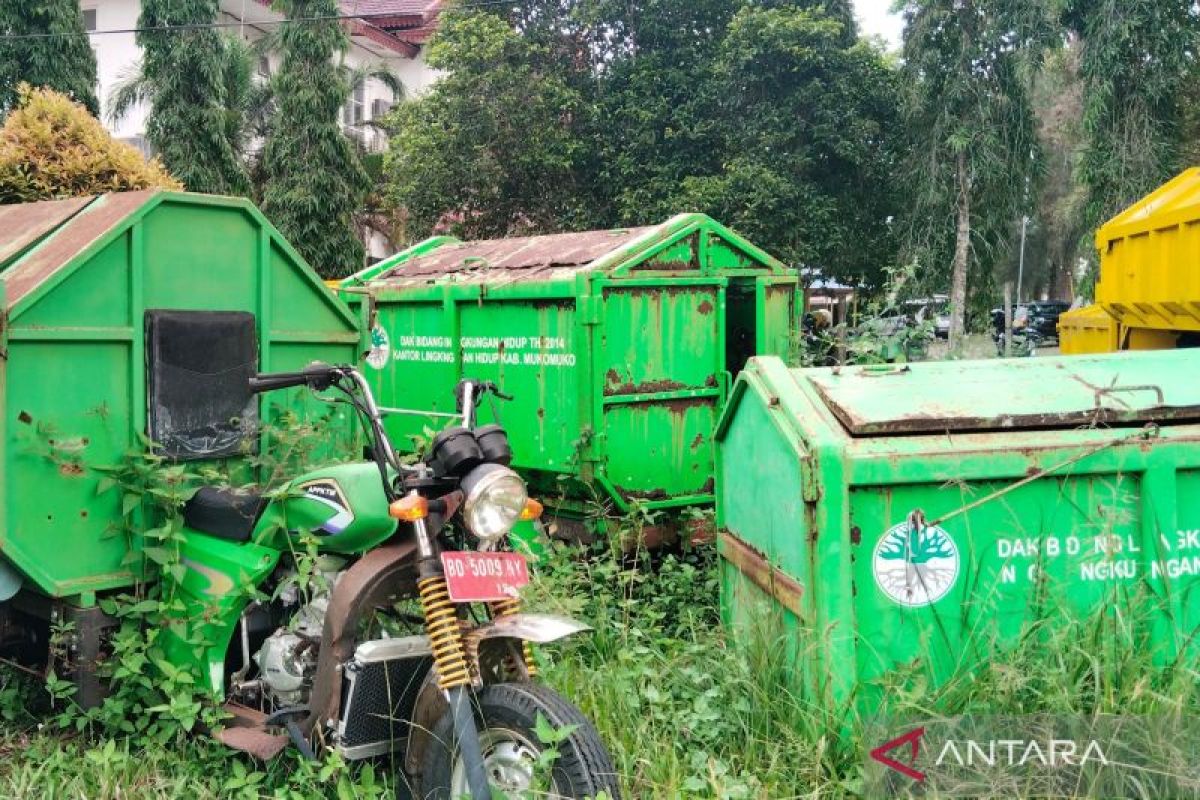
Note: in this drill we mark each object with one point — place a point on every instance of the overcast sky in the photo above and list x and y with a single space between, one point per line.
876 19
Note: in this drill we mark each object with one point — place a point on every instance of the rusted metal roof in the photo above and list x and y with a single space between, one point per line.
24 223
515 259
73 235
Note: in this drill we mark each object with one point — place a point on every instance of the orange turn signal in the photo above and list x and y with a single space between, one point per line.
410 508
532 510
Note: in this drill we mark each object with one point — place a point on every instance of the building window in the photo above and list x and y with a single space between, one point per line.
353 112
264 67
89 19
380 108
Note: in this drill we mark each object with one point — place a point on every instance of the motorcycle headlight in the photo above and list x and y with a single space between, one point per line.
495 498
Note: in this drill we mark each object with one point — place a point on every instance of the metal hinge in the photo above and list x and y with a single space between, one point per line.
590 309
810 485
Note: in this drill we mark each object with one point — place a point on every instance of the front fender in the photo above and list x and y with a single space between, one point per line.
533 628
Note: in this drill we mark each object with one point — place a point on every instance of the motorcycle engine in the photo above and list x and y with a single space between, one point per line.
288 657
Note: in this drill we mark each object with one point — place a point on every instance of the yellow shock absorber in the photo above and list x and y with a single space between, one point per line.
445 634
512 605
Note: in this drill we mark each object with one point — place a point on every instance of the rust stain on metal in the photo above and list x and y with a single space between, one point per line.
512 259
855 534
754 565
699 440
23 224
645 387
680 407
612 376
71 239
705 307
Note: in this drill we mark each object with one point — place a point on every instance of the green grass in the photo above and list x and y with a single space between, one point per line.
686 714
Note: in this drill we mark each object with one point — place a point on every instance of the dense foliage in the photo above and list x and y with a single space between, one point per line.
55 52
51 148
973 154
1137 58
595 113
315 182
184 78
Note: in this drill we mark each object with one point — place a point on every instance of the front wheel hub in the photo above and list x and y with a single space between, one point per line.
509 760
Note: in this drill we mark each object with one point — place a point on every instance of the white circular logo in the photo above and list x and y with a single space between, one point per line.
381 348
915 564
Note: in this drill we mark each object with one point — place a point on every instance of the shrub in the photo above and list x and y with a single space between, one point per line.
52 148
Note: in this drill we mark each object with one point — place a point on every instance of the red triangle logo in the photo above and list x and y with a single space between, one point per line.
913 739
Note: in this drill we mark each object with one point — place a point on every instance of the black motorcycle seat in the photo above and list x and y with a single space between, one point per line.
226 513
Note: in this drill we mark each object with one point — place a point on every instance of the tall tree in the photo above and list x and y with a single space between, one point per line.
499 145
55 54
974 151
1137 60
808 141
315 182
184 72
245 101
1059 226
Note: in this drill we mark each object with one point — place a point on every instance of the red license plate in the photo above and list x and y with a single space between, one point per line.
483 577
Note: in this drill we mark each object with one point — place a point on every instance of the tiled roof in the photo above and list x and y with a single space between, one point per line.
400 8
399 25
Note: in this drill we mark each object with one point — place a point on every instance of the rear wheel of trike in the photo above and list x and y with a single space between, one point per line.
507 715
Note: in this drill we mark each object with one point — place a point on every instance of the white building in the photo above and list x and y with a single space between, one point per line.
385 35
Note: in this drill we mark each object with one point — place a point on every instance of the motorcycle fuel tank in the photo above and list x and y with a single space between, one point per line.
344 506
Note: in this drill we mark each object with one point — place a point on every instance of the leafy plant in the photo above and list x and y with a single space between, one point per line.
51 148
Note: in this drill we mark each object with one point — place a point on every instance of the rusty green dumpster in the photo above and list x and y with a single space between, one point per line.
876 517
133 317
619 347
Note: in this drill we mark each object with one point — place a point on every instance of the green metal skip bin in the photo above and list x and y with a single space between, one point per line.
907 516
131 315
618 346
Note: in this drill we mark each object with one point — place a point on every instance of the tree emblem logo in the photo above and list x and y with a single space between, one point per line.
381 348
915 564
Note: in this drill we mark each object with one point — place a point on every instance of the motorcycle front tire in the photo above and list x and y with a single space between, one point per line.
506 715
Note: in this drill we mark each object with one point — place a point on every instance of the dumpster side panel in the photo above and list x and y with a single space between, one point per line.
529 348
660 338
764 543
98 294
68 409
411 365
196 258
295 308
1062 548
777 310
660 366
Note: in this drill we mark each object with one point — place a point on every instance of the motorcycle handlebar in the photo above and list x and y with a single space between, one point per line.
314 376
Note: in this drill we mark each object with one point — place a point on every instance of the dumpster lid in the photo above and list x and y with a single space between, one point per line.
999 394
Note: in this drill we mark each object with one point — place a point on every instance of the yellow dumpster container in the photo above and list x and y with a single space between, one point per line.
1150 260
1086 330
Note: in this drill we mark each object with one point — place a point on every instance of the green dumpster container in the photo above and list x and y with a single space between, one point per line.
131 315
882 517
618 346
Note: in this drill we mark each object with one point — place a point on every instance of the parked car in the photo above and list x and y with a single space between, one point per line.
1043 317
